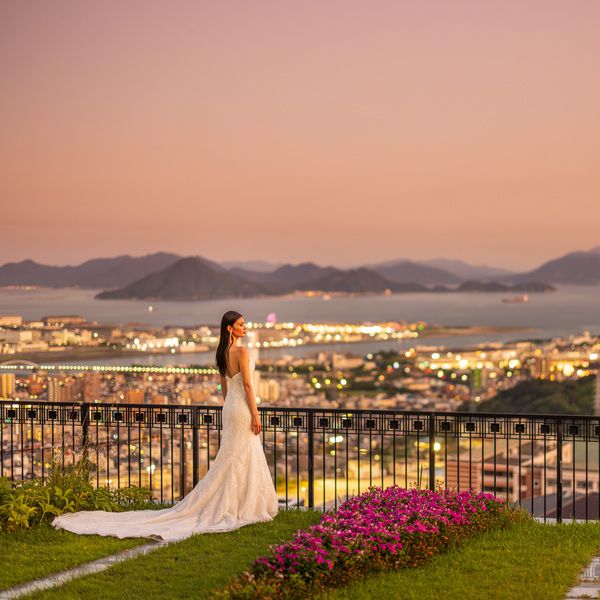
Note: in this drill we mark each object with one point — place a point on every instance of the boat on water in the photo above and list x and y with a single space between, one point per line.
516 299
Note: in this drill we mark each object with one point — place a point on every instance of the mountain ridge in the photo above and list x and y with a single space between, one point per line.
574 268
94 273
193 278
190 278
118 273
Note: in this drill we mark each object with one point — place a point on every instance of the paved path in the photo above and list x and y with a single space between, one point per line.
588 584
92 567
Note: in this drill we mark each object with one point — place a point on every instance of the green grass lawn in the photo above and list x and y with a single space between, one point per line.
33 553
188 569
526 561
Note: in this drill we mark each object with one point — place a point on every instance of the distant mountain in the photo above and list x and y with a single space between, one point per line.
191 278
169 276
194 279
496 286
309 276
29 272
296 275
579 268
465 270
95 273
258 276
357 280
406 271
285 278
257 266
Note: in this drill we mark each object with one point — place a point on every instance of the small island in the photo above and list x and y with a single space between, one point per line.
194 278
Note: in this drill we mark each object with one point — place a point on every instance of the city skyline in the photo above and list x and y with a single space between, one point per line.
342 134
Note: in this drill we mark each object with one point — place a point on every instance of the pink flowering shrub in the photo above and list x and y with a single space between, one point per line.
378 530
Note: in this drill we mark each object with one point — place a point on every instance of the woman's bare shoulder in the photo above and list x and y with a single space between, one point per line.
239 351
240 354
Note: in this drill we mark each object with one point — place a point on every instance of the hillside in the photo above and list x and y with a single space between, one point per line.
96 273
578 268
544 397
189 278
412 272
355 280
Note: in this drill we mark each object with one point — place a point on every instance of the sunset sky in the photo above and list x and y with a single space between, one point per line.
335 131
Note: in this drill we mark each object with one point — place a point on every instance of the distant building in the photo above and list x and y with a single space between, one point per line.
339 361
159 399
62 389
62 320
54 391
515 475
11 320
540 367
581 505
253 349
35 385
134 396
17 336
91 387
273 390
7 385
59 337
268 390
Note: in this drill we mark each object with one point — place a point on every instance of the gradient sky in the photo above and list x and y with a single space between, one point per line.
335 131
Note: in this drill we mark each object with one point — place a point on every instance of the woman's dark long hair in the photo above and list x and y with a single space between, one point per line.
228 319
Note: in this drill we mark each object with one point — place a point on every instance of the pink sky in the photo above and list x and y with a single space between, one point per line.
340 132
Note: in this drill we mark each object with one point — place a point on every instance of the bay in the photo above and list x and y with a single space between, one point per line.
568 311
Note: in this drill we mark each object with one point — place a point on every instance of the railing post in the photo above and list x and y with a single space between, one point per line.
559 499
195 448
311 460
85 424
431 452
182 460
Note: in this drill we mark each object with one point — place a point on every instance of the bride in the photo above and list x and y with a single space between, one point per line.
237 489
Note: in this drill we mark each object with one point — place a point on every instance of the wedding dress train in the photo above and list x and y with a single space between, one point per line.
237 490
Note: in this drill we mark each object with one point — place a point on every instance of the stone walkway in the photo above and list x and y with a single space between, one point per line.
86 569
588 584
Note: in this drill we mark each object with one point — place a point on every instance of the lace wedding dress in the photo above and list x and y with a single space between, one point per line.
237 489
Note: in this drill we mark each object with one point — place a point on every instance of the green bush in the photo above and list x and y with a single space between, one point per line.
68 488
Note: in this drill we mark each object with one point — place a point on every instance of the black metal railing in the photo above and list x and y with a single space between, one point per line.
319 457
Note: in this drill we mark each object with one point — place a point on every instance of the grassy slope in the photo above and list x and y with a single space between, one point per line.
33 553
188 569
534 396
526 561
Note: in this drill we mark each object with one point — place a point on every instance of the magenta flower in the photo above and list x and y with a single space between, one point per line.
379 529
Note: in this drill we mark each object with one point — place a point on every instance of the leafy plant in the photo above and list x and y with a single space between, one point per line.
68 488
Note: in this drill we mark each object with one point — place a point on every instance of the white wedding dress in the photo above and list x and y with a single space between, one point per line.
237 489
